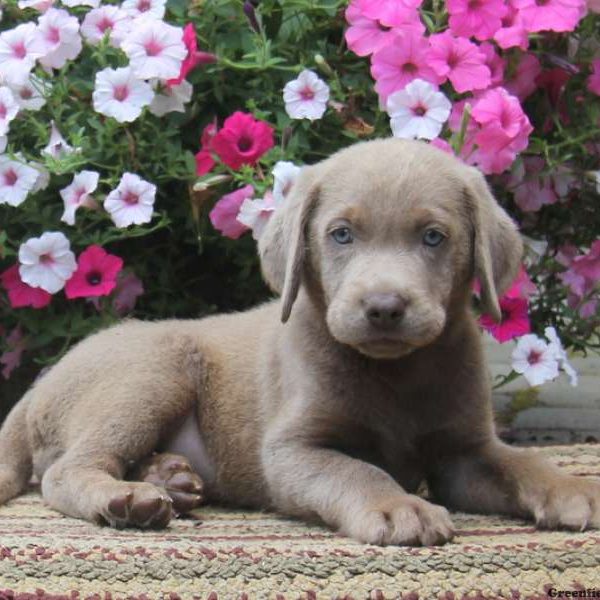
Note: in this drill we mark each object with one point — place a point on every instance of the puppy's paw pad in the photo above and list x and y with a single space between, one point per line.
119 506
137 505
175 474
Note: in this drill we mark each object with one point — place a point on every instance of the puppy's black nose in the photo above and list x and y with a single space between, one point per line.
384 311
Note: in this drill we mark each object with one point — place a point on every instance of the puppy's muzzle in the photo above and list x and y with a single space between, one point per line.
384 311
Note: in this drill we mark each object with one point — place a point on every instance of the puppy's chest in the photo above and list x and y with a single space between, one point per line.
390 427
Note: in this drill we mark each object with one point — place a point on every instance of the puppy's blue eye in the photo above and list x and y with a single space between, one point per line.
342 235
433 238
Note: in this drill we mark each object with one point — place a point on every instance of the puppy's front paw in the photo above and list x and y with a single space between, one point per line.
136 505
570 503
403 520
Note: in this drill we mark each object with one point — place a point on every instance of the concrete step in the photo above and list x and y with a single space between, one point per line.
554 413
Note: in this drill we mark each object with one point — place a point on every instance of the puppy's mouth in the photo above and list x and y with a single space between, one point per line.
385 348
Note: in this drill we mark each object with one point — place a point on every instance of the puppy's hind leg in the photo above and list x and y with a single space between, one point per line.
106 438
15 454
91 488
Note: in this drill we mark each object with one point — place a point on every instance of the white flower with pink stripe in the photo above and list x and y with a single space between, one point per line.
16 181
120 95
155 49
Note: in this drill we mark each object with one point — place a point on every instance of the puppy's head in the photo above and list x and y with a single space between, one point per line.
392 234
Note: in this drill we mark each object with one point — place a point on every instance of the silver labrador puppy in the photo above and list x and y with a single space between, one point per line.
374 382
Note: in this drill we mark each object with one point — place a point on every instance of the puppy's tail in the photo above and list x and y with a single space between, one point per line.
15 453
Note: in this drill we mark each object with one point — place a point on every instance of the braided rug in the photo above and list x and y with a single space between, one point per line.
224 554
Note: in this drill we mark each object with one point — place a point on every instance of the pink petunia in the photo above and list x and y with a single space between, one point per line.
550 15
503 130
593 82
19 293
224 214
406 58
204 160
514 322
522 286
442 145
522 83
476 18
582 278
96 274
460 61
532 188
513 32
495 63
194 56
129 288
373 25
11 358
242 140
392 13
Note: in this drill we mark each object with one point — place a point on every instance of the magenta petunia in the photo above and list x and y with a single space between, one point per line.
514 322
204 160
19 293
550 15
96 274
460 61
224 214
593 82
522 286
406 58
242 140
476 18
194 56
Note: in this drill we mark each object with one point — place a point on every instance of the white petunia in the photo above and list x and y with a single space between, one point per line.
560 354
77 194
47 262
57 38
18 53
284 175
43 179
418 111
3 143
148 8
106 18
256 213
132 202
72 3
8 109
172 99
535 360
155 49
16 181
306 97
57 146
30 94
118 94
40 5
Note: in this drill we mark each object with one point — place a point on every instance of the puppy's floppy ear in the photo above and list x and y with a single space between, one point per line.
282 246
497 245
